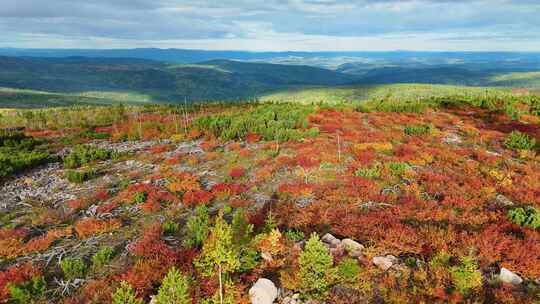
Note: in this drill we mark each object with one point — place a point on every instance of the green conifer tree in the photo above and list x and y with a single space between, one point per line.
125 295
316 272
174 289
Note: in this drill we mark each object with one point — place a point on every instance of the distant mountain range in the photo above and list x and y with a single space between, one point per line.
154 75
311 58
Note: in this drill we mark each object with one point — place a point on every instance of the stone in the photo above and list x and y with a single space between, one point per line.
328 238
338 250
353 248
509 277
384 262
503 201
263 292
452 139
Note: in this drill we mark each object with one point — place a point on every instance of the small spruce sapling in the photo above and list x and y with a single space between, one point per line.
174 289
125 295
316 272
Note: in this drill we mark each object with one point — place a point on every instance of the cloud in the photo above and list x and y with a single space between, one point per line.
273 24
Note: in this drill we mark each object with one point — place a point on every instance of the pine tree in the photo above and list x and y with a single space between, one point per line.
316 271
174 289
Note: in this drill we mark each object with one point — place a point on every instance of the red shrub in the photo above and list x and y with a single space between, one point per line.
16 274
229 188
150 245
106 208
101 196
237 172
307 162
253 138
194 198
158 149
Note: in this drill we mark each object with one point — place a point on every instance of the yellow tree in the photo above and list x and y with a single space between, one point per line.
219 254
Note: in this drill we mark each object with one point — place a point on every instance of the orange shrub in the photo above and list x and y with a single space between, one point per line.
92 226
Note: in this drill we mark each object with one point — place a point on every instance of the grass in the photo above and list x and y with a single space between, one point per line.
518 79
11 98
348 94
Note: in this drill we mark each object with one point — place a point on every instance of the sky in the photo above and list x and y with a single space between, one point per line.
273 25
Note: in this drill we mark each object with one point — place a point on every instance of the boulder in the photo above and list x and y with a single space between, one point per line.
263 292
353 248
509 277
328 238
385 262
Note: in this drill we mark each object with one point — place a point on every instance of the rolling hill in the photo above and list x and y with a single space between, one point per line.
45 82
147 80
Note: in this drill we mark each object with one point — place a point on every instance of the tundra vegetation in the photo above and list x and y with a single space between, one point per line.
414 200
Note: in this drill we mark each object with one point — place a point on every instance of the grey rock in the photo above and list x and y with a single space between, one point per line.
452 139
353 248
509 277
503 201
384 262
328 238
263 292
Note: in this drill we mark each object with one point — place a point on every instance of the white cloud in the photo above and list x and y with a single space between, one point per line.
274 24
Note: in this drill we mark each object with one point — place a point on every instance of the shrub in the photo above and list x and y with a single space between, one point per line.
174 289
80 176
441 259
519 141
73 268
526 217
125 295
90 226
272 122
398 168
466 276
348 271
27 292
170 227
102 257
197 227
15 275
413 130
316 272
237 172
294 235
140 197
13 161
83 154
369 172
17 152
